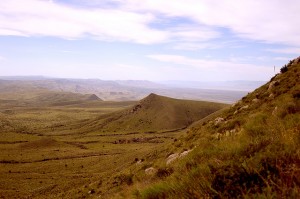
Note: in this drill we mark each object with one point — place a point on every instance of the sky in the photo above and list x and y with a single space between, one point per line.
157 40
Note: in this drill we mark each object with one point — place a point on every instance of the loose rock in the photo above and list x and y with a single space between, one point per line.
244 107
219 120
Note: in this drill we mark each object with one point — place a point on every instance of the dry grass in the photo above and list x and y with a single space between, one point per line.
50 151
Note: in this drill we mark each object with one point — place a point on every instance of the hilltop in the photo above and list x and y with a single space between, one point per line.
156 113
249 150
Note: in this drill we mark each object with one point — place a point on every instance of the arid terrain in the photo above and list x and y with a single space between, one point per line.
58 144
64 145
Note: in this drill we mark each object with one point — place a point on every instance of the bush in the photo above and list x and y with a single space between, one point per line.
164 172
284 69
124 179
233 181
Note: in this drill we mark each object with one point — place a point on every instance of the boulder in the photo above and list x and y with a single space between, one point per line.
185 153
172 158
151 171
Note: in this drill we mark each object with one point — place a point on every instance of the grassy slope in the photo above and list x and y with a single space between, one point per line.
253 153
156 113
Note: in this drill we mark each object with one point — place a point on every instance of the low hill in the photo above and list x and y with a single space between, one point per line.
16 94
62 98
157 113
249 150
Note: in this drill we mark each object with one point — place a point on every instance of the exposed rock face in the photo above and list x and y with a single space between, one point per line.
255 100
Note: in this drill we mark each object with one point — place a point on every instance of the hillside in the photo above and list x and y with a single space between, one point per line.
156 113
250 150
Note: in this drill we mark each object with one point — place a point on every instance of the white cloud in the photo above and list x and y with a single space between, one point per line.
129 20
44 18
274 21
192 33
218 70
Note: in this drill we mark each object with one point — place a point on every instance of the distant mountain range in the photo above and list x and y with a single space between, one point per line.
240 85
127 90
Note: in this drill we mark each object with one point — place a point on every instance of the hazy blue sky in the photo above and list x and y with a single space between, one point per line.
203 40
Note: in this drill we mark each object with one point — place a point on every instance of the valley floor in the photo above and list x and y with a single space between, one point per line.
43 155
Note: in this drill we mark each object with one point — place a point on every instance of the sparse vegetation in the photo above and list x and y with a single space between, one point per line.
259 160
284 69
248 150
